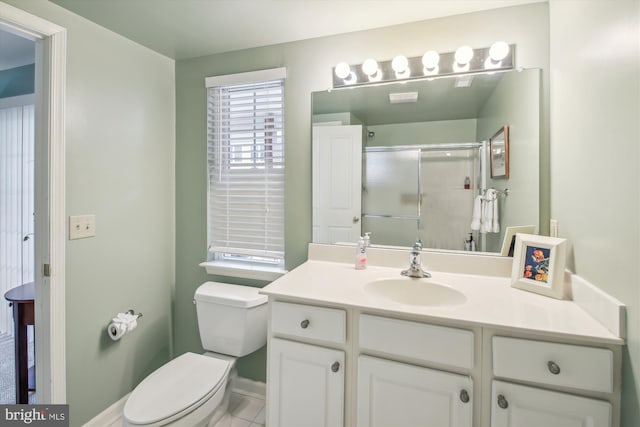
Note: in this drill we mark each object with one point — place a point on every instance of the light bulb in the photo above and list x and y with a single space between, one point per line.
400 63
342 70
369 67
499 51
464 55
430 59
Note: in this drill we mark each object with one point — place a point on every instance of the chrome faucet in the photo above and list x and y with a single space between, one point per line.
415 270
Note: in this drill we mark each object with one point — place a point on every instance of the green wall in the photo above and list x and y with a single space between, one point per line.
595 100
17 81
120 127
309 66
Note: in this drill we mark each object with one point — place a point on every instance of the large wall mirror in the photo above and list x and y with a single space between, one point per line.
407 161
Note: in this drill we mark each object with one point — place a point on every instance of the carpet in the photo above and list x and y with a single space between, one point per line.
7 373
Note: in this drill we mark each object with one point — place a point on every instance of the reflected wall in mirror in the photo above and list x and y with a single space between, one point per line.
424 164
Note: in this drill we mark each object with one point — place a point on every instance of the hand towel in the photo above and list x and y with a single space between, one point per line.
476 216
495 225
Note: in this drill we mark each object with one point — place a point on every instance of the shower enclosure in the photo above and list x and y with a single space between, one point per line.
421 192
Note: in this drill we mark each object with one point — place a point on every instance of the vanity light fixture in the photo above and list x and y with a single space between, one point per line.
463 56
497 52
499 57
400 65
430 61
370 68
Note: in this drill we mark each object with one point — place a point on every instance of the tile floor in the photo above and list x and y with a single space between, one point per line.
244 411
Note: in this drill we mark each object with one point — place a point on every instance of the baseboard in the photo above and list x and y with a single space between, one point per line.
250 387
110 415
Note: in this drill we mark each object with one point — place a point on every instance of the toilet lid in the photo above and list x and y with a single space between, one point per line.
175 387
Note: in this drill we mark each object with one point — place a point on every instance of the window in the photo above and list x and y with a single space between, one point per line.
245 145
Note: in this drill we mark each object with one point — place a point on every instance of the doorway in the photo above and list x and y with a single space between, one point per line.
49 199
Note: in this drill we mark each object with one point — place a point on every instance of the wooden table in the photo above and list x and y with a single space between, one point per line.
21 298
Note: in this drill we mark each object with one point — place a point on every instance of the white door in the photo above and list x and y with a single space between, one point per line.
337 183
519 406
397 394
305 386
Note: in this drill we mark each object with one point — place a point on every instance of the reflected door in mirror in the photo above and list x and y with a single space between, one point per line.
337 168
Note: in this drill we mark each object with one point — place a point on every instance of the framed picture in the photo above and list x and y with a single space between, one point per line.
509 240
499 153
538 265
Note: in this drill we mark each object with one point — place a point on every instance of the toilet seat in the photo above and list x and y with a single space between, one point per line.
175 389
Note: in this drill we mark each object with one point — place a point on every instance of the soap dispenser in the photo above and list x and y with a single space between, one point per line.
361 255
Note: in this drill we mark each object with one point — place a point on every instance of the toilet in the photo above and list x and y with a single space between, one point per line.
193 390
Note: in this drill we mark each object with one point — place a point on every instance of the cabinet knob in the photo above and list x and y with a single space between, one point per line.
335 367
553 367
502 402
464 396
304 324
356 219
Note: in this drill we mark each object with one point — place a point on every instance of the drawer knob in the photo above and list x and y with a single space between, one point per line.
335 367
304 324
502 402
464 396
553 367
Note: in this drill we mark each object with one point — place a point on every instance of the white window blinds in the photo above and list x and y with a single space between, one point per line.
245 140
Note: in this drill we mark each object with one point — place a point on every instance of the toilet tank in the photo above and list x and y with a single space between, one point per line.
232 319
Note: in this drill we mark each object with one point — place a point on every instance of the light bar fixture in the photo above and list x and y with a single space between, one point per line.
499 57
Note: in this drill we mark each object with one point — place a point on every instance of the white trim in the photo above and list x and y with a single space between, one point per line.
51 42
109 416
250 387
243 270
248 77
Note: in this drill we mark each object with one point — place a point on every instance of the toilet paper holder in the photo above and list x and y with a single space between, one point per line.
121 324
130 311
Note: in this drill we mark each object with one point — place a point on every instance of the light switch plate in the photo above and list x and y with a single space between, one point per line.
82 226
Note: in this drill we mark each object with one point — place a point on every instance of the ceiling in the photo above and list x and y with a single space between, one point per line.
438 99
182 29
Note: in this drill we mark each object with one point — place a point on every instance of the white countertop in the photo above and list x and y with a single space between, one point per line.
490 300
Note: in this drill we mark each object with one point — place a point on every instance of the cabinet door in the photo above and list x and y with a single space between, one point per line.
397 394
305 386
521 406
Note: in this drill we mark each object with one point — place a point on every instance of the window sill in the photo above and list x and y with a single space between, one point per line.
237 269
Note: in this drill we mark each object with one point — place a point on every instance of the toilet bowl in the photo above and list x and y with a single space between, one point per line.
193 390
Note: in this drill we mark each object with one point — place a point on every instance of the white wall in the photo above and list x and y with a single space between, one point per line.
595 156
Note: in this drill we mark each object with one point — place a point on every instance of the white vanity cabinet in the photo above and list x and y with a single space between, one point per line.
401 393
564 385
515 405
345 366
306 381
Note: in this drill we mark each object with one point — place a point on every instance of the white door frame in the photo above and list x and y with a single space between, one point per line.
51 42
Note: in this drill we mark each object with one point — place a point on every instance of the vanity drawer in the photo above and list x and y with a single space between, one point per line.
429 343
575 366
308 321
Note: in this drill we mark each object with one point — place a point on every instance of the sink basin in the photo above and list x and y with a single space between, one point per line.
411 291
